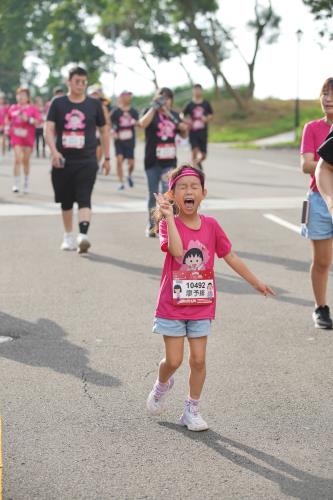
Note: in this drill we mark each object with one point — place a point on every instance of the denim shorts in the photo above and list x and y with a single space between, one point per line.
320 224
182 328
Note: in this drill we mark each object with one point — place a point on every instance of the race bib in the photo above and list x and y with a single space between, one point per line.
20 132
74 140
125 135
166 151
192 288
198 125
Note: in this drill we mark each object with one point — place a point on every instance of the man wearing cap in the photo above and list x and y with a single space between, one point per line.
161 124
124 119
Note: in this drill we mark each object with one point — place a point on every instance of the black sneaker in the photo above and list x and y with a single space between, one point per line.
322 318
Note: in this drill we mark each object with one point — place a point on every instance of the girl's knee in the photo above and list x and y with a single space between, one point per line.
174 363
197 363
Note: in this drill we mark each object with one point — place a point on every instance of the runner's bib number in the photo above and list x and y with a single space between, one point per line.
166 152
74 140
125 135
193 288
20 132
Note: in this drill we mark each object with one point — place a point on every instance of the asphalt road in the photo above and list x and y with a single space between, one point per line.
76 375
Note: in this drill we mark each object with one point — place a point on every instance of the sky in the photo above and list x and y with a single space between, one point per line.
276 68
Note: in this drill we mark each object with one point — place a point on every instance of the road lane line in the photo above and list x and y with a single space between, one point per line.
140 206
283 223
278 166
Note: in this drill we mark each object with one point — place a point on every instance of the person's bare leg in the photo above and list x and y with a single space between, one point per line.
120 173
324 180
195 152
67 217
18 159
174 353
320 268
197 362
26 160
130 163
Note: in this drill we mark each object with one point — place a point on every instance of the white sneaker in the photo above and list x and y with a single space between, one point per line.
156 401
15 189
192 419
83 244
25 190
68 243
121 187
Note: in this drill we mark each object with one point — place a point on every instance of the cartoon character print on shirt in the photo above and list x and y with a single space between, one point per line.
166 129
75 120
198 114
195 258
126 120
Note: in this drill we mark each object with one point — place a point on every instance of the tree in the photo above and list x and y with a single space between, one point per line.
265 26
14 41
323 12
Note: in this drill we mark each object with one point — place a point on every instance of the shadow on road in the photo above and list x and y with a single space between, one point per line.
44 344
292 481
224 284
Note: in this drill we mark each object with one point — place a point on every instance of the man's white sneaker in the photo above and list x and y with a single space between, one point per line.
15 189
68 243
156 401
192 419
83 244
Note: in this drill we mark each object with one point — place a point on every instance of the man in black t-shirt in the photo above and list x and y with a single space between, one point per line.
199 113
71 136
124 119
161 125
324 172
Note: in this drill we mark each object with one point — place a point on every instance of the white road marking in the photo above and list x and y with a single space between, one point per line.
278 166
140 206
4 339
283 223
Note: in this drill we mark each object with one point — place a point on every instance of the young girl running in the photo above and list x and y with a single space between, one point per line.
187 296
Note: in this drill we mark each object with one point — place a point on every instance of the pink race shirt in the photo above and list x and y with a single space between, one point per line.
200 247
22 133
314 134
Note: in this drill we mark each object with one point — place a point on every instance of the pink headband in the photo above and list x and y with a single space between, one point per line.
185 172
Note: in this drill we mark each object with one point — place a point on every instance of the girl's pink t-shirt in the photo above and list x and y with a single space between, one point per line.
200 247
314 134
22 132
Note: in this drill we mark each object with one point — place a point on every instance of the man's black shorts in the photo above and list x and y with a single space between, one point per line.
124 148
199 139
74 183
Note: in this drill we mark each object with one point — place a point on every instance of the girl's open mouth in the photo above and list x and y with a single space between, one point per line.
189 203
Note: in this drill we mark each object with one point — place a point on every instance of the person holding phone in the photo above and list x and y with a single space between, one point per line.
161 124
318 227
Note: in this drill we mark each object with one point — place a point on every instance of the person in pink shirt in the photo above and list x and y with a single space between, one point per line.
23 118
4 107
187 296
318 226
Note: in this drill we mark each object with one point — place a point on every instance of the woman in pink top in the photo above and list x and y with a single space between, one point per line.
319 226
187 297
23 118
